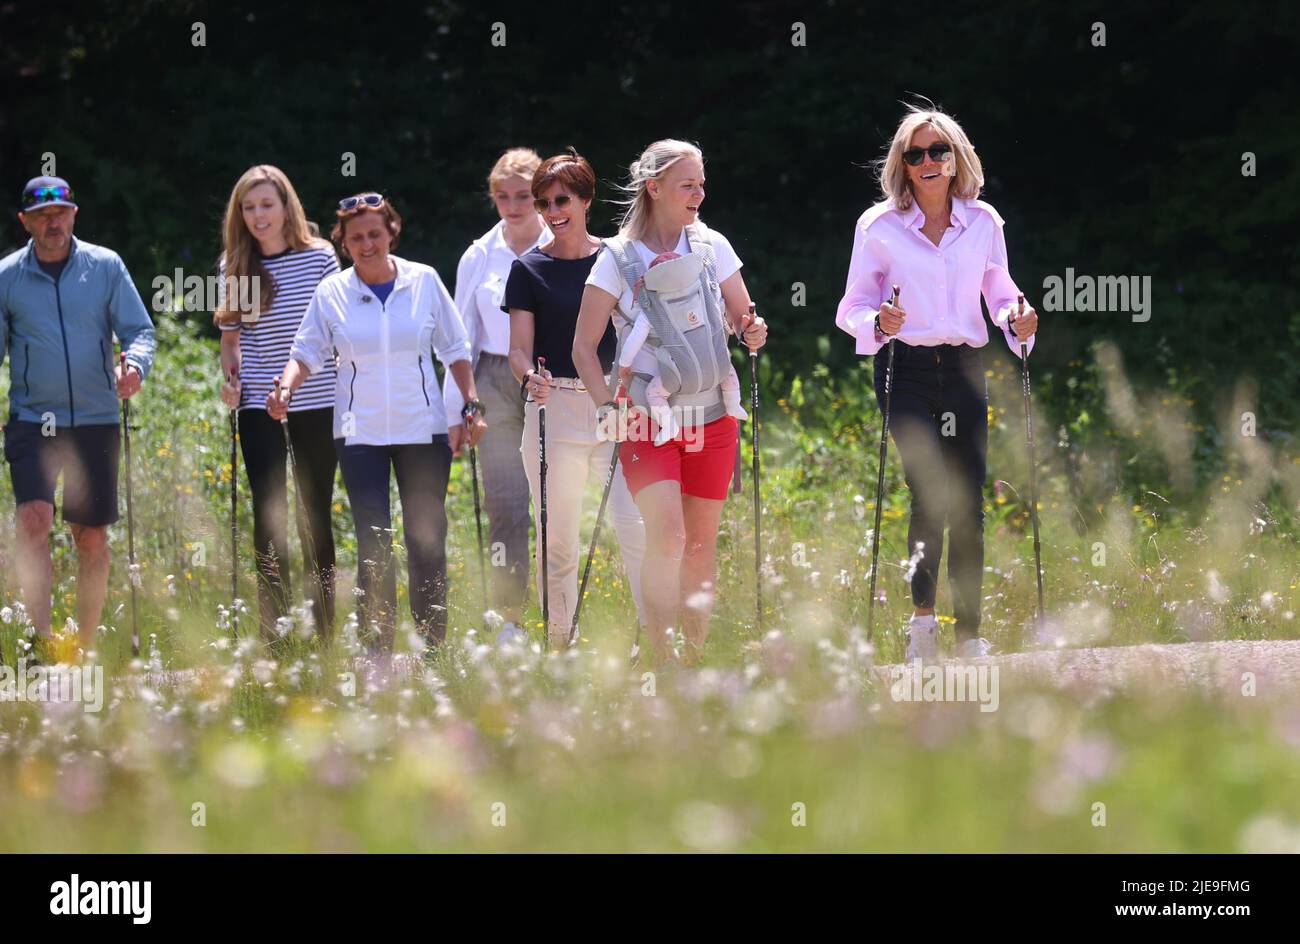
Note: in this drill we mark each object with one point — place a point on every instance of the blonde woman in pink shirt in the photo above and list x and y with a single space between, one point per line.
943 247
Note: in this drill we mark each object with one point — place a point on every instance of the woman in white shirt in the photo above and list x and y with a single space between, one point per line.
679 486
386 317
943 248
480 288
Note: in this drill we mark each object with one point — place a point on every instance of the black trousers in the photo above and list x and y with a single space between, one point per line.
265 457
422 470
939 421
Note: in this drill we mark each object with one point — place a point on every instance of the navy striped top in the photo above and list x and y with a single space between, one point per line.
264 345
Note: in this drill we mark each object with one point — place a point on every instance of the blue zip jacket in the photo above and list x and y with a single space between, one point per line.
59 335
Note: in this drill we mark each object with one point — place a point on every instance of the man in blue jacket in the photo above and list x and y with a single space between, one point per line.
61 303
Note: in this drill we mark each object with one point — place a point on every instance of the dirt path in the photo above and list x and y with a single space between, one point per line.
1215 669
1223 669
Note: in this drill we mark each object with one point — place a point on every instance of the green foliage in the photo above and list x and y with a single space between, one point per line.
581 758
1118 160
1096 163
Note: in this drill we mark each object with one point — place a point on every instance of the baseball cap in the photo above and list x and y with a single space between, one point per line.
47 191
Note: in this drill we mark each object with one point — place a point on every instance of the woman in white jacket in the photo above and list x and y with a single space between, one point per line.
386 317
480 288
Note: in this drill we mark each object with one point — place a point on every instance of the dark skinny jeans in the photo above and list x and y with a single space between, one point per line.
939 421
422 470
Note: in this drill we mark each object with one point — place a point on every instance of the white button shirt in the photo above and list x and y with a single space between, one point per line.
940 286
480 287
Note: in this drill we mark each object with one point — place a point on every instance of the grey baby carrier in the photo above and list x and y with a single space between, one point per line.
683 303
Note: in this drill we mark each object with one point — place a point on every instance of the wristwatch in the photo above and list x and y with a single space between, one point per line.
473 406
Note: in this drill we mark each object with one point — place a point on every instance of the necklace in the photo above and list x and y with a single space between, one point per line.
658 248
521 244
943 220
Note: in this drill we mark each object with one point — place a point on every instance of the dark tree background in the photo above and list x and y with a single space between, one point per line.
1117 160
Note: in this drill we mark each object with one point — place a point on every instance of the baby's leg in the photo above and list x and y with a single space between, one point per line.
634 340
632 344
656 395
731 395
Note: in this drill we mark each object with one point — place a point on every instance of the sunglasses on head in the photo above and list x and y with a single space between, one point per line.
938 152
372 200
542 205
47 195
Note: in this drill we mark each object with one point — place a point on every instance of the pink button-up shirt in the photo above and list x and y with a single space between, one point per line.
939 285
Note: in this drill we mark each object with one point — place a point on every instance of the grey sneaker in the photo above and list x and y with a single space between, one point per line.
922 638
976 648
512 633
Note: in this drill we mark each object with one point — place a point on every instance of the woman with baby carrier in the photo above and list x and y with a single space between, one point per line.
543 294
943 248
666 268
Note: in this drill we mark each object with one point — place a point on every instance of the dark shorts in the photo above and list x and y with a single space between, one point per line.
86 457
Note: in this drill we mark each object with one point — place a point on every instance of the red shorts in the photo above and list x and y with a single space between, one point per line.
703 464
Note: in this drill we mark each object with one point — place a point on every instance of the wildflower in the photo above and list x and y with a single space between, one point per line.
911 562
1215 588
700 600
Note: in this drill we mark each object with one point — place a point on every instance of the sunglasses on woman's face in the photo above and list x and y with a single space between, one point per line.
542 205
368 199
938 153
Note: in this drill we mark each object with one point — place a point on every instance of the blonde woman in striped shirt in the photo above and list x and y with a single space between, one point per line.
266 234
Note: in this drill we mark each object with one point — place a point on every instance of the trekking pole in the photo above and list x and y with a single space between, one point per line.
234 509
130 513
541 451
478 523
880 474
595 536
300 504
758 509
1033 463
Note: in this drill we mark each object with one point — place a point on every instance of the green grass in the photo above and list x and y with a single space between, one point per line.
716 759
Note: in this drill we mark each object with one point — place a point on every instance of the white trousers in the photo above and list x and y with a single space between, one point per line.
574 457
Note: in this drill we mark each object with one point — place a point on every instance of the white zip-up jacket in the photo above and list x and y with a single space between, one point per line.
387 392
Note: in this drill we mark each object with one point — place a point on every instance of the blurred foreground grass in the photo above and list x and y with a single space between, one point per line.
515 750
